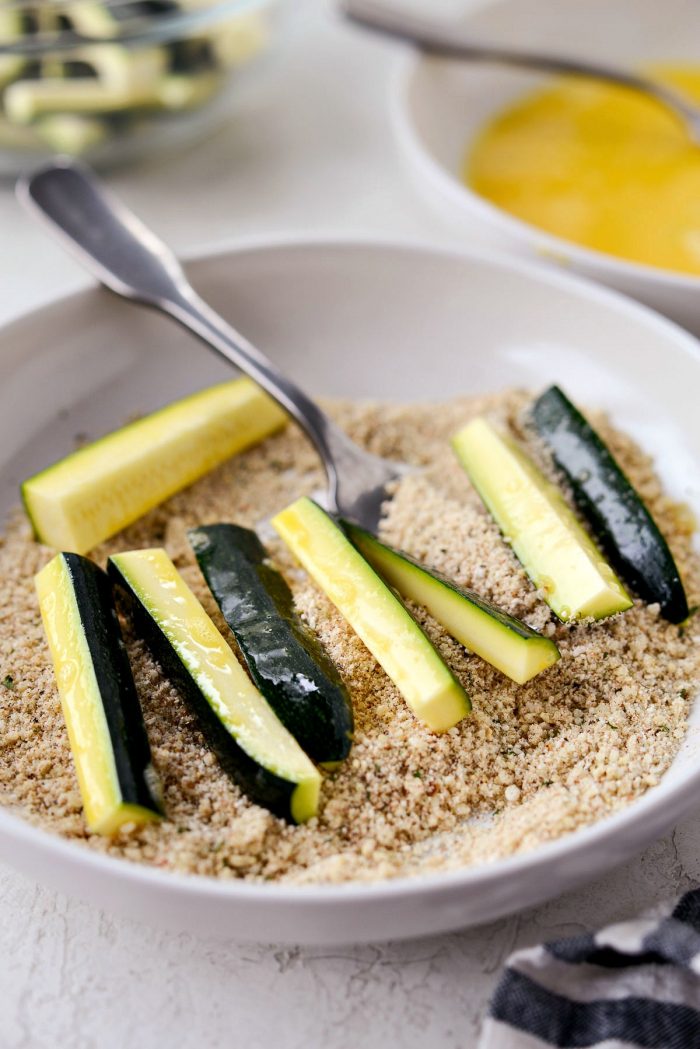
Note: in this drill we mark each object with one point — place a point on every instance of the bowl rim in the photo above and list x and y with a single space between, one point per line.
465 198
47 843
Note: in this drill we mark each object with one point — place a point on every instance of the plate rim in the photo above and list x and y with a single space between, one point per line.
46 843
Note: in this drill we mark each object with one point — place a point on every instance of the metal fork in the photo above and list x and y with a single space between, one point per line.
452 41
125 256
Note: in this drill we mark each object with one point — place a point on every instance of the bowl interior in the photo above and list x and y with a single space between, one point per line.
362 321
338 320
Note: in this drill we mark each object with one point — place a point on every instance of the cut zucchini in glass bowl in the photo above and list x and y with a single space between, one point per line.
108 80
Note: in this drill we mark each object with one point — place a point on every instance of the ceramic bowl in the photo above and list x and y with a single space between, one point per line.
439 106
355 320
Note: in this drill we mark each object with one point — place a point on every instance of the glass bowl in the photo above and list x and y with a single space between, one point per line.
108 80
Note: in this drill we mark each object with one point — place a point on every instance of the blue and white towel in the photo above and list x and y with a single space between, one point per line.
631 985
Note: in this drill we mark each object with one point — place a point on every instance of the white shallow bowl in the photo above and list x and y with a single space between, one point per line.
439 106
356 320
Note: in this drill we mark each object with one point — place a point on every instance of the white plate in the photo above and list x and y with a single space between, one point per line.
438 107
357 320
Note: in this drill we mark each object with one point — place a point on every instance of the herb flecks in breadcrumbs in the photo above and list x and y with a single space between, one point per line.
532 762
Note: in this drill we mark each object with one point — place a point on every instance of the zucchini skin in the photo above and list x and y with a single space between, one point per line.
508 625
262 786
98 618
376 614
611 506
284 658
504 619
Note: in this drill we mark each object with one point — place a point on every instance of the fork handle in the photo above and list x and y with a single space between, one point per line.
334 447
126 257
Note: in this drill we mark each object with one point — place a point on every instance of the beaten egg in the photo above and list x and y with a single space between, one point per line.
600 165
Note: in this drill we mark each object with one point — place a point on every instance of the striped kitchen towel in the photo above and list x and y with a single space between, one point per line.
631 985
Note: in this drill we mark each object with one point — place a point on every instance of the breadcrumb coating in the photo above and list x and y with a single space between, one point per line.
531 763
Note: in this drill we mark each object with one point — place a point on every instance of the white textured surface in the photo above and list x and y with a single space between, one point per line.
308 149
73 977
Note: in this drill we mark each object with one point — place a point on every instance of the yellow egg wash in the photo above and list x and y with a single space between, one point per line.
603 166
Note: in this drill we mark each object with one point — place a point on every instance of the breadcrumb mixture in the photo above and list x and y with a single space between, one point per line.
531 763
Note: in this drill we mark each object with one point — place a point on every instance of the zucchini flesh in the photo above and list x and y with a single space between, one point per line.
68 133
501 639
608 502
28 100
100 489
10 30
101 709
252 744
558 555
378 617
284 658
